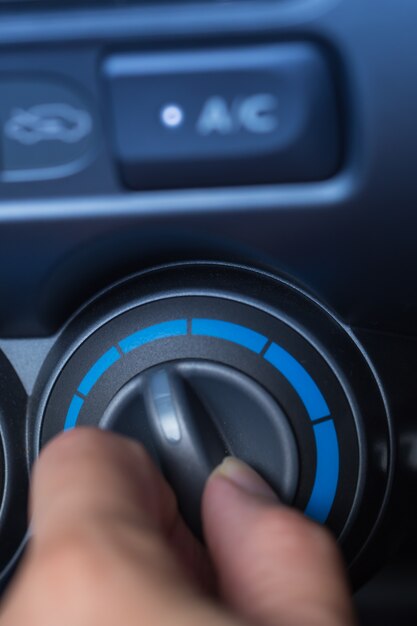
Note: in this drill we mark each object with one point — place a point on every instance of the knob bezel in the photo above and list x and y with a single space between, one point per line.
276 297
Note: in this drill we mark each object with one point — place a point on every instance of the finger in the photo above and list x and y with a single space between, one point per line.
274 566
92 477
102 518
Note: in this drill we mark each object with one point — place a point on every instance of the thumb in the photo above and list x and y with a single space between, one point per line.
274 566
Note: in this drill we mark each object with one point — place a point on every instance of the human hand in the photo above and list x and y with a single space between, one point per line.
108 547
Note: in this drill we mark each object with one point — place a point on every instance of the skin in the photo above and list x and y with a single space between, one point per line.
109 547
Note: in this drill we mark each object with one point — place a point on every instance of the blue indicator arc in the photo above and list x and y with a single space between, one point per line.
327 472
300 379
104 363
327 446
73 412
228 331
164 330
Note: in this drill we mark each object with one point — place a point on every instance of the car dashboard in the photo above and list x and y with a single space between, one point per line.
221 193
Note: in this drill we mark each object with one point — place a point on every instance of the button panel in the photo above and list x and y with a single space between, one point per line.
224 117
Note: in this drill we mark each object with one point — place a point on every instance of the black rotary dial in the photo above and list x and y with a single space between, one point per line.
202 361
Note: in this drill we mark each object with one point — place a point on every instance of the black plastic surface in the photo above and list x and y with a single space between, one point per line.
332 236
14 463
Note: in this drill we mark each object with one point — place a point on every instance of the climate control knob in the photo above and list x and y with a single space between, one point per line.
190 414
199 361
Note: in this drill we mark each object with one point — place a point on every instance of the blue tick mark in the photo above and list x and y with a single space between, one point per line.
97 370
230 332
73 412
175 328
327 472
300 379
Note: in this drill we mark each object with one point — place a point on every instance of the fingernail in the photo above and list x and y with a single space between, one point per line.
245 478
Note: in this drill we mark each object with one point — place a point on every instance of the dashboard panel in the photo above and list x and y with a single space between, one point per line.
245 163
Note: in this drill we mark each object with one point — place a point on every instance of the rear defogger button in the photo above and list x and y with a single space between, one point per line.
49 129
226 117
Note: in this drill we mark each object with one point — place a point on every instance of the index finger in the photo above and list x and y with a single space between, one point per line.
103 520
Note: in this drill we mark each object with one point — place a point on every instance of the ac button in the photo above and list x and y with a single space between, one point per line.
226 117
